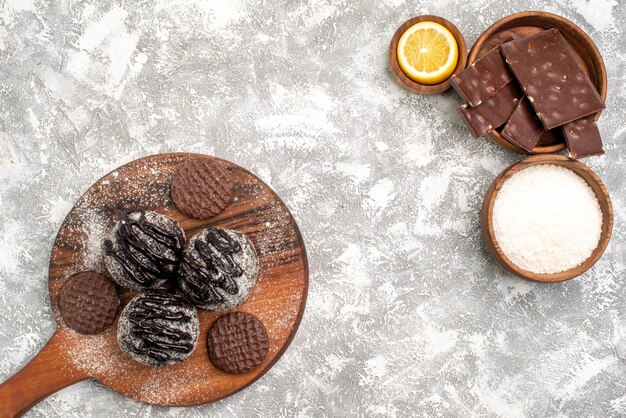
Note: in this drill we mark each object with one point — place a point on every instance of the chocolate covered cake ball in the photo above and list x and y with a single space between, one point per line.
219 269
144 250
158 328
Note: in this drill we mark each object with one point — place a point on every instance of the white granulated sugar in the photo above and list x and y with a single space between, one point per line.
546 219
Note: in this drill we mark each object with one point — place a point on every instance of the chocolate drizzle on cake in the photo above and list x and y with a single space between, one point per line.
216 268
147 250
158 328
159 339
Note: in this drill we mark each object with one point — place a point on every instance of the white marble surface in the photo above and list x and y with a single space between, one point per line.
407 313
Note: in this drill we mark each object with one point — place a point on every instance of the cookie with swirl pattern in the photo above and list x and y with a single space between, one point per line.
144 250
158 328
219 269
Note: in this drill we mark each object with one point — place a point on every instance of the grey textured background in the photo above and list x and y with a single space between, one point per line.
407 313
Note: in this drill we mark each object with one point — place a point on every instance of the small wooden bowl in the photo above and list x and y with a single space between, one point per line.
402 78
486 221
520 25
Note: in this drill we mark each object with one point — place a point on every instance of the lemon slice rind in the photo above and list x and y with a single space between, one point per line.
434 77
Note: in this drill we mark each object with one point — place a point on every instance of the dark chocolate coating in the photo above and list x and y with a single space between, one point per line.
202 188
218 270
158 328
237 343
89 302
145 250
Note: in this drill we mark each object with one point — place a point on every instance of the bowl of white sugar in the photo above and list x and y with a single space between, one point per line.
547 218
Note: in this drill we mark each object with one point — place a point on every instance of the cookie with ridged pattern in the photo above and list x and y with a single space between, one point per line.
89 302
202 188
237 343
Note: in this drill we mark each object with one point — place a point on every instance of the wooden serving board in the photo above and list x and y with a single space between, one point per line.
520 25
278 299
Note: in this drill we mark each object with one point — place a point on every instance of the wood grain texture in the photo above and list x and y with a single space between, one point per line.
602 194
523 24
278 299
39 378
407 82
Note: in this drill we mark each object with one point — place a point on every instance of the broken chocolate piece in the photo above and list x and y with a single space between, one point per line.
493 112
558 88
523 129
583 138
483 78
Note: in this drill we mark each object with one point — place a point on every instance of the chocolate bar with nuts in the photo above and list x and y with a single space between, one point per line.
558 88
583 138
483 78
523 129
493 112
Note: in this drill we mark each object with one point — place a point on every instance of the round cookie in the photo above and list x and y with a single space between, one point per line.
219 269
144 250
89 302
237 343
202 188
157 328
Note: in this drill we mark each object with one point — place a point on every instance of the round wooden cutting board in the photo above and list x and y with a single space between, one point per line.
278 299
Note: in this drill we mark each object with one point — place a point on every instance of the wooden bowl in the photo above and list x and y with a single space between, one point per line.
520 25
583 171
402 78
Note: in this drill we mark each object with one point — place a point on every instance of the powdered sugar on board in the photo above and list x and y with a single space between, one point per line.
93 354
276 299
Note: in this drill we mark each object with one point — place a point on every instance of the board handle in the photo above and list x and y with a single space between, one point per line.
45 374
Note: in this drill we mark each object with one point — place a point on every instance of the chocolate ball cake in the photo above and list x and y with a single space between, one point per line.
158 328
219 269
144 250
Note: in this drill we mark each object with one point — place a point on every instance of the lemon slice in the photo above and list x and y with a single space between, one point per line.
427 53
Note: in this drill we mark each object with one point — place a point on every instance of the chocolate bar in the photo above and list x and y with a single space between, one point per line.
523 129
583 138
493 112
558 88
483 78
